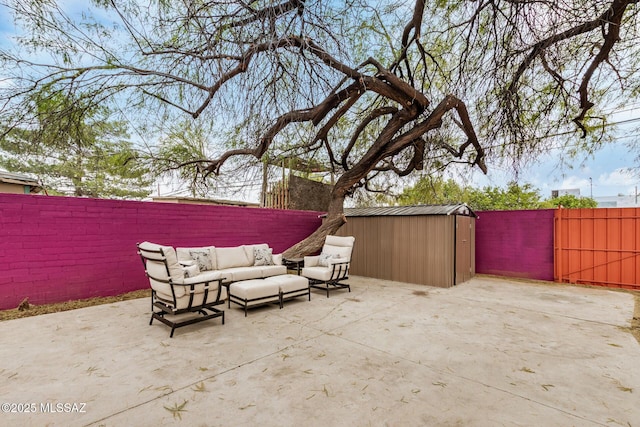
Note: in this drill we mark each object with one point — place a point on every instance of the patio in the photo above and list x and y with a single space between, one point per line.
487 352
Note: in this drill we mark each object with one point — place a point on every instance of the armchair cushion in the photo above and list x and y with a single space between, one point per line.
198 297
311 261
156 267
191 271
318 273
325 259
337 251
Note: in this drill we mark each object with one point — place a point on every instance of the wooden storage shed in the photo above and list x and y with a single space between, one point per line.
429 244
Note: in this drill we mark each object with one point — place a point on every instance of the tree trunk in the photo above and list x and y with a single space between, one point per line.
334 220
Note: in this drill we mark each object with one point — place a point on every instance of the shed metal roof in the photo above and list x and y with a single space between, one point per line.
14 178
457 209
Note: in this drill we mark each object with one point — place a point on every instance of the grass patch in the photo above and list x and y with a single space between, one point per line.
35 310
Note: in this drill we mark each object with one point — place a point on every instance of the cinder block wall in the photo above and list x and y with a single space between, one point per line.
56 249
515 243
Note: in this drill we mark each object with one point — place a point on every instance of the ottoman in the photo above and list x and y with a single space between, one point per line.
291 286
250 293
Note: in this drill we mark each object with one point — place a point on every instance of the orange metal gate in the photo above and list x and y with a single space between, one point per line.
598 247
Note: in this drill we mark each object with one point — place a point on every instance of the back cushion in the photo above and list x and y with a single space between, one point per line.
249 250
340 240
341 251
158 270
187 255
232 257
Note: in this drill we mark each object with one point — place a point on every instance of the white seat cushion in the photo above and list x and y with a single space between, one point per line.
257 289
289 282
273 270
237 274
317 273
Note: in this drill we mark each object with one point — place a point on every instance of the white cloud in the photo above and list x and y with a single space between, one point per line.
619 176
574 181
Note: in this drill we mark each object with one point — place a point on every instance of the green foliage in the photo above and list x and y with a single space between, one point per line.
515 197
73 148
434 191
570 201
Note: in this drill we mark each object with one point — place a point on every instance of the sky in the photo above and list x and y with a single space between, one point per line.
609 171
605 173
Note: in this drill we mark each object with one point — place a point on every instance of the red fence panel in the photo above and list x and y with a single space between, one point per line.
598 247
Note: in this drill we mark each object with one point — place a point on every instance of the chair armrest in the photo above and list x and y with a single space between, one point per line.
311 261
339 268
203 278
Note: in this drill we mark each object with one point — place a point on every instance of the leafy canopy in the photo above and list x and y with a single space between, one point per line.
73 147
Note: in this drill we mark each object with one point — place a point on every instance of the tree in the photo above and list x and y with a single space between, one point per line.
346 82
571 201
513 197
74 148
434 191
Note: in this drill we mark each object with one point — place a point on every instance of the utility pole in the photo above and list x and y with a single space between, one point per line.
591 187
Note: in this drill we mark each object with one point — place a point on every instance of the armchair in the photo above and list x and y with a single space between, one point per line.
174 292
327 270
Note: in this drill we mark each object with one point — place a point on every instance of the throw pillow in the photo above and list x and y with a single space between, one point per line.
324 259
191 271
263 256
202 257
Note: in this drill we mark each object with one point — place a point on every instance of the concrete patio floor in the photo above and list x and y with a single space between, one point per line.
489 352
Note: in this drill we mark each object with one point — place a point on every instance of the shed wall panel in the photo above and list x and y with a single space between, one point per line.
412 249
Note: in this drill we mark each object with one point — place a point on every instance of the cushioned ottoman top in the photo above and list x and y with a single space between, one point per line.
255 288
289 282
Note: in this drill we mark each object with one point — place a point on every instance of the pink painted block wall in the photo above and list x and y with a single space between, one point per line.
515 244
56 249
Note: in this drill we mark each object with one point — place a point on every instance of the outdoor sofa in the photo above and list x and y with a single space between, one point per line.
197 279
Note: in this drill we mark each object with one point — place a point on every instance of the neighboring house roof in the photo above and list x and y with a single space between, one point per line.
457 209
14 178
201 201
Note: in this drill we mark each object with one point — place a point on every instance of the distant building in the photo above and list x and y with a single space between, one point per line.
619 201
14 183
201 201
565 192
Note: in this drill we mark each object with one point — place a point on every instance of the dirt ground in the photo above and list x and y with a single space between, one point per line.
35 310
635 323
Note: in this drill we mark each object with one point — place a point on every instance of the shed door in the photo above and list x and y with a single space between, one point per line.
464 240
